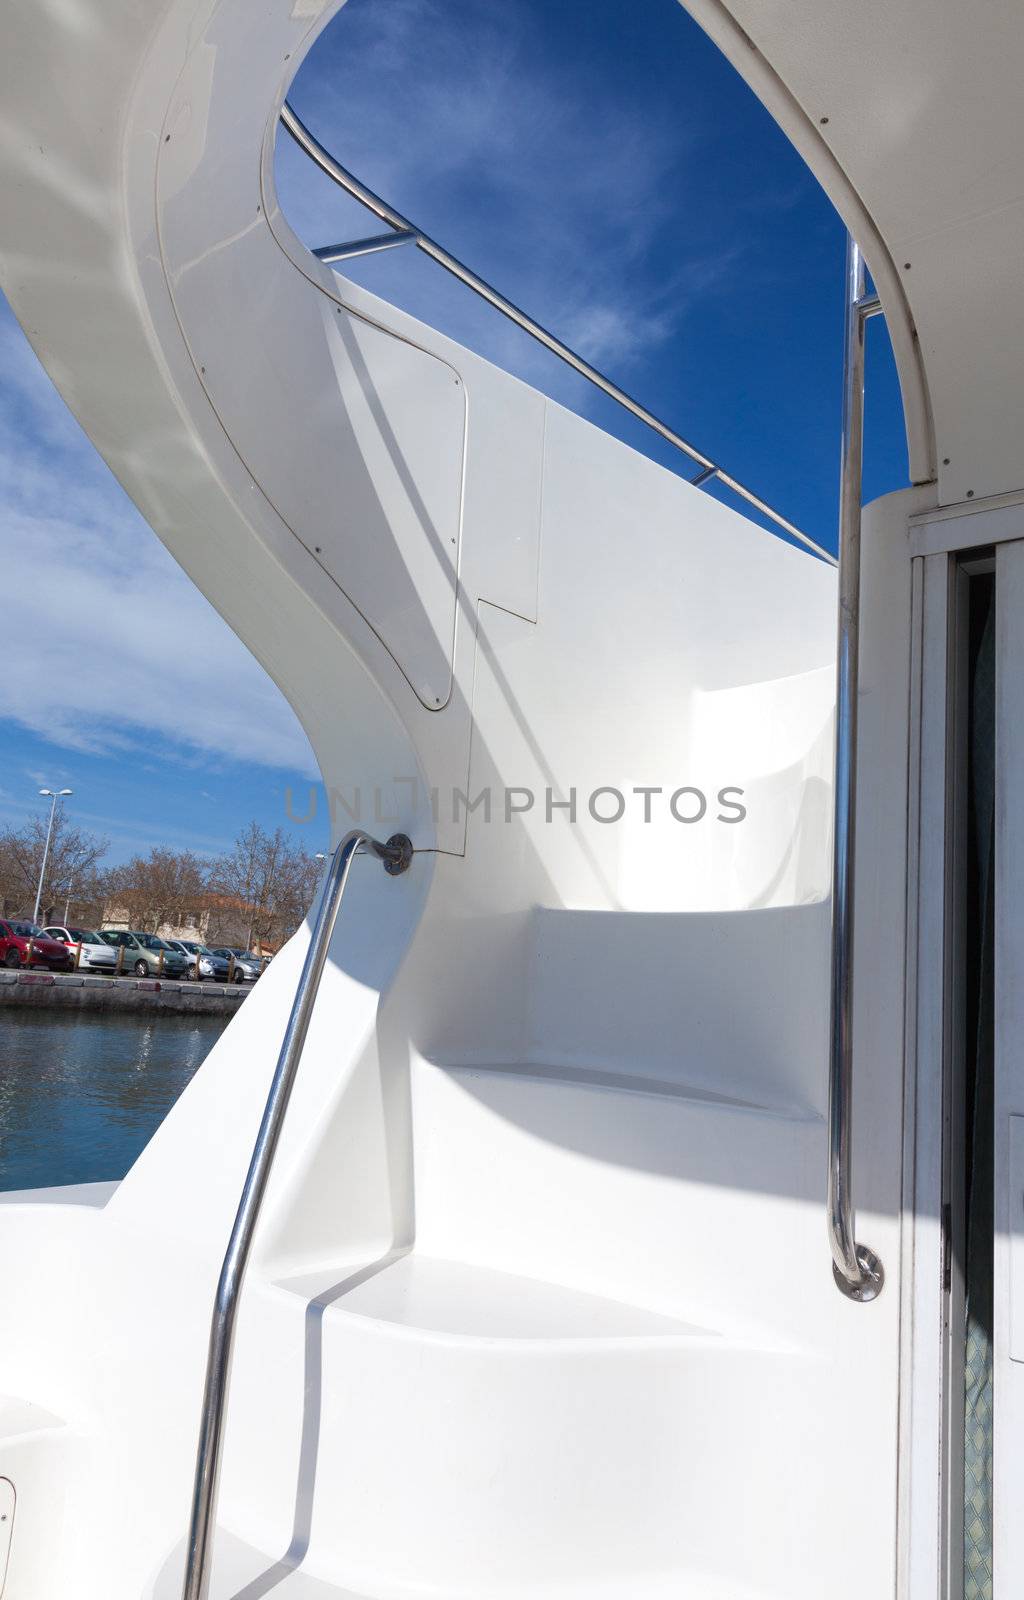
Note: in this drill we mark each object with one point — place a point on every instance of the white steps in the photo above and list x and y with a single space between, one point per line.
574 1384
467 1433
243 1572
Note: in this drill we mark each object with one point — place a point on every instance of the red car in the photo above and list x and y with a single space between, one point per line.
15 938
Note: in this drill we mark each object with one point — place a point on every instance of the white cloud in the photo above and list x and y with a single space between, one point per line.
119 646
551 189
111 648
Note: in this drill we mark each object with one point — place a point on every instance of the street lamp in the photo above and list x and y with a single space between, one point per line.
54 797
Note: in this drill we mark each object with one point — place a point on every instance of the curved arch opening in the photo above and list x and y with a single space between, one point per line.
612 174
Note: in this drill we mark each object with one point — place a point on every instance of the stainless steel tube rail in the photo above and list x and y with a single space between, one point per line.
396 855
406 233
857 1270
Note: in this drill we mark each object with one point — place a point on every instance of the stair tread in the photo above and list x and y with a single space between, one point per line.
621 1081
455 1297
243 1572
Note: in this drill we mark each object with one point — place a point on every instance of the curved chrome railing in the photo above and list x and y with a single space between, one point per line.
404 232
858 1271
396 856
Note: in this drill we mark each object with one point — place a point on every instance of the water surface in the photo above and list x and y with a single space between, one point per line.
80 1096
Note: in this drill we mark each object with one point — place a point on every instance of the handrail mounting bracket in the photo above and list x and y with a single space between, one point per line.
399 856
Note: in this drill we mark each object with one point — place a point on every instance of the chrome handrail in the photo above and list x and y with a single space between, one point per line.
407 233
396 856
857 1270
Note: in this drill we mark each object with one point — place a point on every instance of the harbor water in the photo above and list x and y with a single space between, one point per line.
82 1094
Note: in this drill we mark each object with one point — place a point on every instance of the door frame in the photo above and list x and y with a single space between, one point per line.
1008 1098
946 547
925 1388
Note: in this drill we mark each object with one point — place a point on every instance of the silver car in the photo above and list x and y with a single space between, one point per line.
91 951
247 968
202 962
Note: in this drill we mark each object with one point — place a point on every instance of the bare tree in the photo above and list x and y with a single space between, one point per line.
164 887
71 865
265 884
297 890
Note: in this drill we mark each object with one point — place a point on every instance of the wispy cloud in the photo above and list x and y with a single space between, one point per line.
523 167
110 647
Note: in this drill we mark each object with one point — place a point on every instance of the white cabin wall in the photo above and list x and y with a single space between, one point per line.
675 644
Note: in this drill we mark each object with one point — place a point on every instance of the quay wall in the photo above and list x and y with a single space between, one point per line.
83 992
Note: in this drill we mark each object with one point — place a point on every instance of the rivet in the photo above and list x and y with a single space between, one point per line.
167 138
906 266
970 494
823 120
317 549
202 371
945 461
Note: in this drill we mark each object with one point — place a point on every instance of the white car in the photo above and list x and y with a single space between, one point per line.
92 951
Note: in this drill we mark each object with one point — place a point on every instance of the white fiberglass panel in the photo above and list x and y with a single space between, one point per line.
666 726
354 434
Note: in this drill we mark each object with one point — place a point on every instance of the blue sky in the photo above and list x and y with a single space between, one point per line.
605 167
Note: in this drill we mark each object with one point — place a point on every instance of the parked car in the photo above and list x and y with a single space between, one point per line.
143 952
17 939
202 961
247 967
85 944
